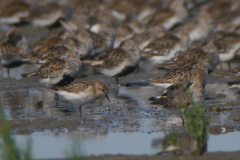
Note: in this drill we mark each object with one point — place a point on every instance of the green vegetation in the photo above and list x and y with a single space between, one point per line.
8 146
197 124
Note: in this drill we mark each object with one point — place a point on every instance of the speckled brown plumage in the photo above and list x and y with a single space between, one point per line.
99 42
161 45
226 42
56 52
173 76
44 11
7 49
178 94
82 93
195 57
13 51
160 16
76 87
58 71
113 57
13 8
185 58
51 48
50 69
46 44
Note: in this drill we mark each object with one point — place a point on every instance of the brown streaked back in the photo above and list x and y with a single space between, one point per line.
76 87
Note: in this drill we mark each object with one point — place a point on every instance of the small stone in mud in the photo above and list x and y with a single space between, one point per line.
38 104
236 118
129 108
66 110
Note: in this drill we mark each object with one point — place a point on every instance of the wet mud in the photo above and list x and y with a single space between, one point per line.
127 110
207 156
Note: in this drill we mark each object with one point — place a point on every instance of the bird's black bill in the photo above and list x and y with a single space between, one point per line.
107 97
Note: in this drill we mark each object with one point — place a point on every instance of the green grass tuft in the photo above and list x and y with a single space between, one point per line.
197 124
8 146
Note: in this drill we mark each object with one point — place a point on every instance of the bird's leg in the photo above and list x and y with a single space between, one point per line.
80 108
80 114
220 63
182 121
117 82
138 68
229 65
8 72
117 90
56 98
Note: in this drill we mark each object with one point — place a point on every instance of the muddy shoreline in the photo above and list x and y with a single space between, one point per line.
206 156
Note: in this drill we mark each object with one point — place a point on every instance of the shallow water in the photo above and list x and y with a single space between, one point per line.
47 145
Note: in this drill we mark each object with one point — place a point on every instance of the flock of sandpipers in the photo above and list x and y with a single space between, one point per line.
190 36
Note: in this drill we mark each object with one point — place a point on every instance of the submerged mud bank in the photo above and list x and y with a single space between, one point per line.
206 156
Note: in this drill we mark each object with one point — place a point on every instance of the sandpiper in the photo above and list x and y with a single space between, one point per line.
58 72
220 8
228 22
146 11
118 62
197 57
212 37
122 9
83 92
164 48
122 33
136 26
146 37
227 46
199 26
13 12
45 56
82 38
168 17
45 15
45 49
13 51
174 76
177 95
103 38
232 74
